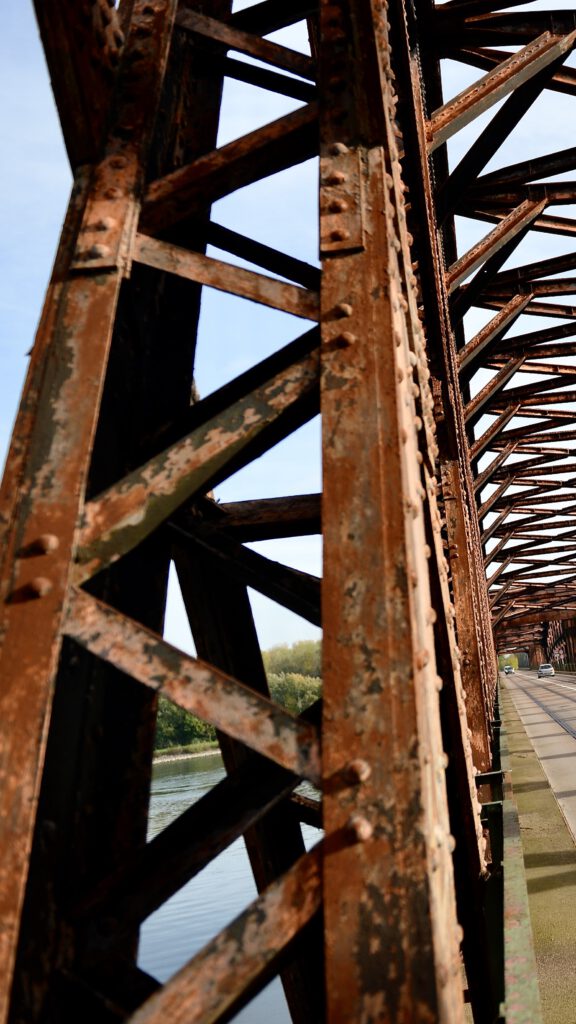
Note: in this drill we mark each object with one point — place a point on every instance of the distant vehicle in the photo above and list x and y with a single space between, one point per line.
508 670
545 670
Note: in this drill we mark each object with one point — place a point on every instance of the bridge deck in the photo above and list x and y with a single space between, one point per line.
538 758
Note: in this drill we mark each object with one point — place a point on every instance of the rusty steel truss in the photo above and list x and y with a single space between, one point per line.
446 517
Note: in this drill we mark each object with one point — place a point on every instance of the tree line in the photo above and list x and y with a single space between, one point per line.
294 677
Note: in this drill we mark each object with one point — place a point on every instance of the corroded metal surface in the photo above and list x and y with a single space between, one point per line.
446 512
235 280
393 890
236 710
64 385
122 517
216 979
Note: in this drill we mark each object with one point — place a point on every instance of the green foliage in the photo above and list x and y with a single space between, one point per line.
507 659
178 728
302 658
294 691
293 673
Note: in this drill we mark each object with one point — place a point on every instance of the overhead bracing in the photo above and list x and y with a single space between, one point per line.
445 513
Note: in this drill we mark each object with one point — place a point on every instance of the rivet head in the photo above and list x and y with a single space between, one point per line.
343 309
343 340
339 149
422 659
98 251
118 162
443 975
339 235
40 586
358 770
46 543
360 829
113 193
336 178
103 224
338 206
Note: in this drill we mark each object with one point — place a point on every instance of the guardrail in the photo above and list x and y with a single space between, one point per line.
512 958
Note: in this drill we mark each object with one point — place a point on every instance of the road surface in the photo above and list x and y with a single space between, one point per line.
547 708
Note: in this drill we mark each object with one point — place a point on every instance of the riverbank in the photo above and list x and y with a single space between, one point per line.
177 754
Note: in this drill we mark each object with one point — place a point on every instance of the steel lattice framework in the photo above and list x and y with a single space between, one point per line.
446 516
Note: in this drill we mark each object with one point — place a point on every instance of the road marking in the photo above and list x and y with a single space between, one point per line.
565 686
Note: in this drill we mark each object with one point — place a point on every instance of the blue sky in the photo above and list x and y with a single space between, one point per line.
34 187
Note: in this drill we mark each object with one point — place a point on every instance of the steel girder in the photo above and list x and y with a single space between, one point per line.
111 472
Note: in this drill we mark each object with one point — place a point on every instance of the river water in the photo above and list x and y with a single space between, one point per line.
194 915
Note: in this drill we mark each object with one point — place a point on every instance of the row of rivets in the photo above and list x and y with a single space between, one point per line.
38 586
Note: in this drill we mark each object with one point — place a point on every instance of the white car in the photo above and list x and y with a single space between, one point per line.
545 670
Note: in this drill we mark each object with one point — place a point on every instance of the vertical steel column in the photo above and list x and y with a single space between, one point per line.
43 493
536 655
391 931
472 622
